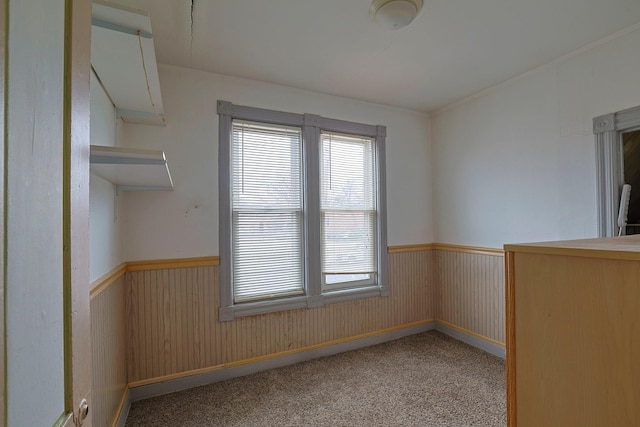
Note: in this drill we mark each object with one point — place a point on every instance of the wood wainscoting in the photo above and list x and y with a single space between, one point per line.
159 321
470 290
173 325
108 342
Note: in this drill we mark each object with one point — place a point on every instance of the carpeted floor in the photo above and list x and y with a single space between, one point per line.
427 379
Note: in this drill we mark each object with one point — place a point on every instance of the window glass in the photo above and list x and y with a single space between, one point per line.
348 205
267 241
302 215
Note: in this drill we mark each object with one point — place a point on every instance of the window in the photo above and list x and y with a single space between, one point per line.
348 210
266 222
302 210
631 173
610 131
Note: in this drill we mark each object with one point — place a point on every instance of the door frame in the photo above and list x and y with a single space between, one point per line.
75 209
77 71
608 130
74 109
3 49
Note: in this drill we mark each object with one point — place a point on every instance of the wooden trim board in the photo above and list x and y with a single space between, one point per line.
105 281
410 248
626 255
469 332
122 413
467 249
446 247
162 264
476 340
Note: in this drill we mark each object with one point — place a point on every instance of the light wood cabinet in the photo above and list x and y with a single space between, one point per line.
573 333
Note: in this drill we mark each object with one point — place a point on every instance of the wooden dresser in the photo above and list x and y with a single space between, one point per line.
573 333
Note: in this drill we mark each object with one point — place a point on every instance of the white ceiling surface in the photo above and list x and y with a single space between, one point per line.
453 49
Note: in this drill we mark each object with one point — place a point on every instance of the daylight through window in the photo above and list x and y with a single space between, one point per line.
302 211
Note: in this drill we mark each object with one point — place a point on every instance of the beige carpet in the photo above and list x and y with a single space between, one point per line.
427 379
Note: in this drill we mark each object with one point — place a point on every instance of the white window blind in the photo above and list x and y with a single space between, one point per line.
267 211
348 209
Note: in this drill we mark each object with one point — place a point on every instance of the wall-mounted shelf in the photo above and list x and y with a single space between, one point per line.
124 59
131 168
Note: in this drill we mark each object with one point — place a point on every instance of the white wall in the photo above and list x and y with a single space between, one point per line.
517 162
184 223
33 339
105 248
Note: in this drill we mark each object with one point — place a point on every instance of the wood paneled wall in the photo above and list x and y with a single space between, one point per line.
162 322
108 341
470 291
173 325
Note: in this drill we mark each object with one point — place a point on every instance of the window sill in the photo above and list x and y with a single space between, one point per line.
231 312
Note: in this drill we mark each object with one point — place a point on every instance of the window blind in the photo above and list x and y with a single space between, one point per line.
267 204
348 207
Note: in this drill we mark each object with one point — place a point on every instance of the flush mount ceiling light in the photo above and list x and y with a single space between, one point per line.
394 14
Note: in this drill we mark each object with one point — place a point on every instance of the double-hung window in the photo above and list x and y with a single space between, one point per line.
267 245
348 211
302 210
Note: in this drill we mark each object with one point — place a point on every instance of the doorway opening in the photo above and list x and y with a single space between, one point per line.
611 130
631 167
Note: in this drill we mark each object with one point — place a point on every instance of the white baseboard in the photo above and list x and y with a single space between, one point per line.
473 340
173 385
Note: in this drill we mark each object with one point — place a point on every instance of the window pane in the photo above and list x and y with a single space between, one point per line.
267 255
349 217
347 172
267 237
348 241
266 167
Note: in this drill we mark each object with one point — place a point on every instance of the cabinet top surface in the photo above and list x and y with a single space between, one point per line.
626 247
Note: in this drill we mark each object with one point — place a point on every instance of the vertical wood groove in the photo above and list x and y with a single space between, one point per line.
173 324
469 289
109 351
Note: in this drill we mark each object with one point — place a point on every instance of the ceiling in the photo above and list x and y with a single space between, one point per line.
453 49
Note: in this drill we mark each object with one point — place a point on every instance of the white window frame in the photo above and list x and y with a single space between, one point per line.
608 130
311 126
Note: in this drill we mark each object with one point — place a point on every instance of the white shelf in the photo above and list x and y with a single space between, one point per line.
131 168
124 59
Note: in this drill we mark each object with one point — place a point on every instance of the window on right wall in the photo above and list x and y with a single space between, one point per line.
610 130
631 169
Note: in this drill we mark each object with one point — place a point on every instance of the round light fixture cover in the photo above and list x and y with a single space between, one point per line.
394 14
